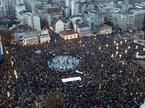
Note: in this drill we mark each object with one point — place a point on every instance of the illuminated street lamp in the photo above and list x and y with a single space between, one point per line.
137 53
120 56
116 44
121 42
129 47
117 48
117 52
15 73
7 52
136 47
125 40
80 42
12 63
143 49
123 62
112 55
126 51
100 48
107 45
8 94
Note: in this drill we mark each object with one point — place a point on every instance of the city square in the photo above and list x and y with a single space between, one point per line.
72 53
106 81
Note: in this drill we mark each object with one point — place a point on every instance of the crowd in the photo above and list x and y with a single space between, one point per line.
109 79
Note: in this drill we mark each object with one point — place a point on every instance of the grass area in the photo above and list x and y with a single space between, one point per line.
140 62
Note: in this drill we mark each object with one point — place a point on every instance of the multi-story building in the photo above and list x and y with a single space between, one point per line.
19 7
49 14
31 19
25 35
7 8
139 17
61 25
82 28
94 18
72 8
128 20
31 4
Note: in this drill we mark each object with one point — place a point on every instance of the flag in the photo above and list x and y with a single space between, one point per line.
1 50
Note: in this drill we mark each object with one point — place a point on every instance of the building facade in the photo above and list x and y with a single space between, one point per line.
7 8
68 35
26 38
83 29
31 19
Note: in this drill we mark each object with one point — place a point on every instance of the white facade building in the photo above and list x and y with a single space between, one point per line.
32 20
83 29
31 4
26 38
130 20
18 9
61 25
74 8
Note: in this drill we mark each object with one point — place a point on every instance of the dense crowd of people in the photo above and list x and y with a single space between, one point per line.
109 79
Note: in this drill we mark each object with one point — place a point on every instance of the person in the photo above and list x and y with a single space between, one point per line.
122 86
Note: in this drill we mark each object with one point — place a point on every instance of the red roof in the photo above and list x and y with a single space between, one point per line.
104 25
65 20
54 10
68 32
23 28
81 25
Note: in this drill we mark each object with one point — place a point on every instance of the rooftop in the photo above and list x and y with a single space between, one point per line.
22 28
54 10
81 25
68 32
105 25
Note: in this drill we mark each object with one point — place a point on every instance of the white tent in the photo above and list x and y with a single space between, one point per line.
71 79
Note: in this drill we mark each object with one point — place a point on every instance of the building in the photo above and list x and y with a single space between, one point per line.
61 25
105 29
7 8
44 39
82 28
133 19
139 16
74 8
68 34
49 14
24 35
31 19
18 9
27 38
31 4
44 36
71 8
94 18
